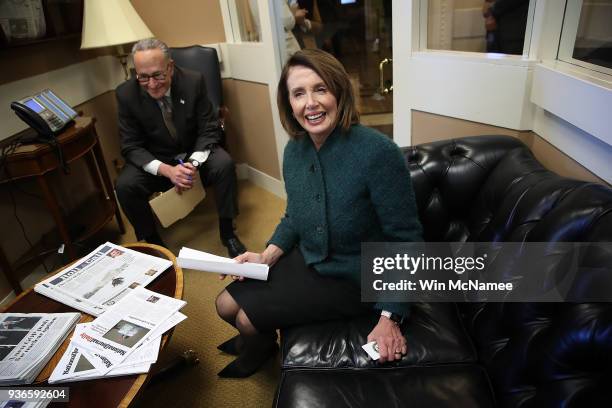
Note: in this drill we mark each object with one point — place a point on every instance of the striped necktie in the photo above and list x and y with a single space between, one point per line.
165 105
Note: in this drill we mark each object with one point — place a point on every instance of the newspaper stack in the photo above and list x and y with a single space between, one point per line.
124 340
100 279
28 341
25 404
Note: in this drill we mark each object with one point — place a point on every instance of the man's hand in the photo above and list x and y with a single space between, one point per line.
391 343
180 175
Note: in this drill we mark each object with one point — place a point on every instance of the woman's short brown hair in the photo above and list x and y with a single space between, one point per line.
335 78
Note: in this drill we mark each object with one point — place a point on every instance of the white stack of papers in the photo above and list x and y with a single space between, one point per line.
203 261
28 341
100 279
124 340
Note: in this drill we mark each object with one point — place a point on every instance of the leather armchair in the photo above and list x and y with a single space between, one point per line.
206 61
485 188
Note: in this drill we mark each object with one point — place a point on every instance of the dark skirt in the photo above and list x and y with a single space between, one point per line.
296 294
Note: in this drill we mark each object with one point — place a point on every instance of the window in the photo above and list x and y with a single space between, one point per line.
459 25
586 39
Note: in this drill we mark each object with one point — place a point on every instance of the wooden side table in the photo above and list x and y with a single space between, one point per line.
38 160
104 392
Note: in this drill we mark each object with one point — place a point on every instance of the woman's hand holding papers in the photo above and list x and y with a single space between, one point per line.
269 257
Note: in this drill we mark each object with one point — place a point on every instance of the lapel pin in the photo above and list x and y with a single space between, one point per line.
182 101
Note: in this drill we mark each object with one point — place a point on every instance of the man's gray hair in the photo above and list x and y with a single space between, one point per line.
151 44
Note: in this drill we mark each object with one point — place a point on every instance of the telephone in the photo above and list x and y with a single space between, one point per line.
45 112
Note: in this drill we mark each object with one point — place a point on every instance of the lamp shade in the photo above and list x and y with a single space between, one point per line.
111 22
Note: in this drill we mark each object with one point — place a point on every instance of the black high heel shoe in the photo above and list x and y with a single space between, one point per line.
256 351
232 346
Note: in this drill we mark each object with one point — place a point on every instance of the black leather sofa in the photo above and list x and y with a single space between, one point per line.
484 188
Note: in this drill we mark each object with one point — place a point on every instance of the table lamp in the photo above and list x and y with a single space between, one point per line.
112 22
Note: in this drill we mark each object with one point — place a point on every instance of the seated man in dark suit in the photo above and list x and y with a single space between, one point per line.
168 132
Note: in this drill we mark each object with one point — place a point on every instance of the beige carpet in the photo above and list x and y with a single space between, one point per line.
199 386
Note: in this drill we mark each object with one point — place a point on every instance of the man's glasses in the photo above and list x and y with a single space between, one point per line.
158 76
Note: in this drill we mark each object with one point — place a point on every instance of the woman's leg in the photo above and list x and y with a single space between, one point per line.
227 308
253 348
244 325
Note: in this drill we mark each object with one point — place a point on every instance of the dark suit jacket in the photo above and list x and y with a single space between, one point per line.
144 136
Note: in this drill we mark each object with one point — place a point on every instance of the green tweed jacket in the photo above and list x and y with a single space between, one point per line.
355 189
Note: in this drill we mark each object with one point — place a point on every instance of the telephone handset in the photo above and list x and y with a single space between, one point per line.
45 112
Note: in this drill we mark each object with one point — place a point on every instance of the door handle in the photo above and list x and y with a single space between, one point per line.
382 86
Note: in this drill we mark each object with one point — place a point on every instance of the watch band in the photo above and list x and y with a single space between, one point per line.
398 319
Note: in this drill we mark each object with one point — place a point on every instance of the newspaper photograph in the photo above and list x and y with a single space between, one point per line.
77 365
80 364
102 278
125 325
27 342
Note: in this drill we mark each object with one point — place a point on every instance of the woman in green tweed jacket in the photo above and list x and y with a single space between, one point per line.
345 184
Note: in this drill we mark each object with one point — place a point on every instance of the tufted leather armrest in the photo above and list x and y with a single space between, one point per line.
447 177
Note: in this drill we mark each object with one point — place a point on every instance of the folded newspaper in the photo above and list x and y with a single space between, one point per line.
76 364
115 338
203 261
28 341
100 279
14 403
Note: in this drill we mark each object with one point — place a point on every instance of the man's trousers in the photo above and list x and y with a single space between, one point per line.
135 186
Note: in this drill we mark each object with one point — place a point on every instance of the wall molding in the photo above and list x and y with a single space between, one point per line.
575 97
261 179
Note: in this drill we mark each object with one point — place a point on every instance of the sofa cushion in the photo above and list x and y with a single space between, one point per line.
437 386
545 354
434 334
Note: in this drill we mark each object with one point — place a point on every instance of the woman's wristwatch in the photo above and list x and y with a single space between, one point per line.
394 317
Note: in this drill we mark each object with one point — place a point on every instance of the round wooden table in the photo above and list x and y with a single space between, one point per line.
105 392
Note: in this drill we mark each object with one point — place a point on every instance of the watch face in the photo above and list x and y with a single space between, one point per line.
195 163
